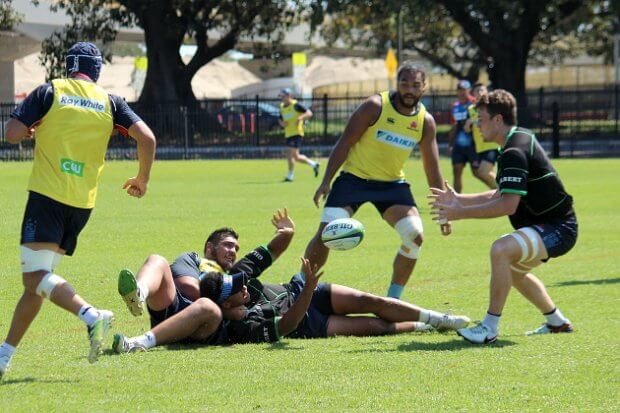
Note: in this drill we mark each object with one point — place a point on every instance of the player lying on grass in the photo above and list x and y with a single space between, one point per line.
302 308
540 210
179 308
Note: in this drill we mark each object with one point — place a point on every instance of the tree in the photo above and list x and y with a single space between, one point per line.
167 24
8 16
499 35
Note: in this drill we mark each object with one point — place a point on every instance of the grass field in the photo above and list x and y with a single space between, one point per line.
414 372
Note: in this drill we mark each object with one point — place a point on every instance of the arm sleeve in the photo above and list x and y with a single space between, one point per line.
254 263
254 330
35 106
123 115
300 108
186 264
452 118
512 178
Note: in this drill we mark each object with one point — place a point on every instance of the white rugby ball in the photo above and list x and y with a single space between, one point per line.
343 234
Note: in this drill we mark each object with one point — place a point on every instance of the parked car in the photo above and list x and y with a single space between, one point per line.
241 116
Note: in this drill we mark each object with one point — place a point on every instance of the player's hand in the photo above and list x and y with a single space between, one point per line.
311 271
445 205
282 221
136 187
321 192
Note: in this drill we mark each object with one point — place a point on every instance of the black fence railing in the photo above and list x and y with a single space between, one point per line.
587 124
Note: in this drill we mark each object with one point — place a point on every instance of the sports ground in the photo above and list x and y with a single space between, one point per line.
412 372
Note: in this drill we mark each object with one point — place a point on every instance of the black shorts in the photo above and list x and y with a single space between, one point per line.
559 237
352 191
315 322
294 141
47 220
489 156
464 154
179 304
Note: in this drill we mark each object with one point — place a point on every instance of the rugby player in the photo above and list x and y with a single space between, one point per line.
539 208
292 117
73 119
372 151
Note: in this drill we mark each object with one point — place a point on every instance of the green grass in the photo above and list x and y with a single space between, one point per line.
432 372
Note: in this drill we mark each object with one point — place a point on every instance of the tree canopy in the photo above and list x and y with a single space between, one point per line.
214 26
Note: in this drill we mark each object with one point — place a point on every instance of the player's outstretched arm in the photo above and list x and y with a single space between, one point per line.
285 230
447 206
145 139
363 117
289 321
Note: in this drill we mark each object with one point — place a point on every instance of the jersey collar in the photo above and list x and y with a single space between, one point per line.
512 131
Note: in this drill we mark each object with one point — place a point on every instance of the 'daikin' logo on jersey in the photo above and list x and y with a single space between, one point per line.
81 102
393 139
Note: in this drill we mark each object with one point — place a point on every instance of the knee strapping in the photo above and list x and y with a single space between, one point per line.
530 243
48 283
409 228
331 213
36 260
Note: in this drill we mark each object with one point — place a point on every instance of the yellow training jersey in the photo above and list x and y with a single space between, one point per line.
71 143
290 115
385 146
481 145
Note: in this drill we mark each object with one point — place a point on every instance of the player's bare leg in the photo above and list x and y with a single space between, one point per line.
486 173
457 172
403 266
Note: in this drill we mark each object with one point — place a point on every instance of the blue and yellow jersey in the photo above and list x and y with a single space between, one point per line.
291 114
71 143
481 145
381 152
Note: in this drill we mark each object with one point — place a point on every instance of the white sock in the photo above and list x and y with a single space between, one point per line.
312 163
7 350
290 175
88 314
429 316
555 318
492 321
147 340
143 291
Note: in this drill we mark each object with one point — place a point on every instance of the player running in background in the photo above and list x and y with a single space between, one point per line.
539 208
372 151
461 143
73 119
487 152
292 118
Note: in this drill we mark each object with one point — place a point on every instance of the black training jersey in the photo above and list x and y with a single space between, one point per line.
523 168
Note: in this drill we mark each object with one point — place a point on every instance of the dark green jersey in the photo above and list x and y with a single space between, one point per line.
523 168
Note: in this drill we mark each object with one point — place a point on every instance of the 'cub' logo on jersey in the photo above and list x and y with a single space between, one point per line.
392 139
81 102
72 167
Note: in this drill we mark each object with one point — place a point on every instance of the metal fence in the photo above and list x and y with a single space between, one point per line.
587 124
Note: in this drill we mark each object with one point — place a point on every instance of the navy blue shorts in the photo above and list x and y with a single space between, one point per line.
464 154
179 304
352 191
559 237
315 322
489 156
47 220
294 141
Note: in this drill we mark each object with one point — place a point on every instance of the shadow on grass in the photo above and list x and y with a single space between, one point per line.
282 345
452 345
587 282
35 380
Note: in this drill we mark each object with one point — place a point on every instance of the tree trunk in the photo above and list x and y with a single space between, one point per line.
165 82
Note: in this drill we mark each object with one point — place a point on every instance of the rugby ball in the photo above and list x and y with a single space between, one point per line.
343 234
